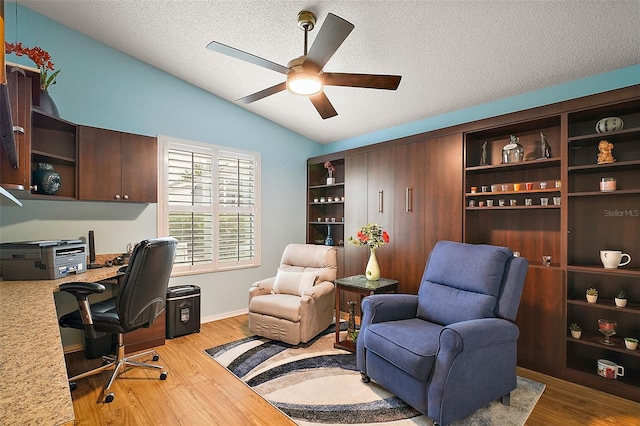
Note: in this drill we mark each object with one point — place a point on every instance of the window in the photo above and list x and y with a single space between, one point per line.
209 202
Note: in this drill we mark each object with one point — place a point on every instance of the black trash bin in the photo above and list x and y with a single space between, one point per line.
183 310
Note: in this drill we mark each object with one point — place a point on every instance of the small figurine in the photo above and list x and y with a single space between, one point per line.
545 147
605 148
483 158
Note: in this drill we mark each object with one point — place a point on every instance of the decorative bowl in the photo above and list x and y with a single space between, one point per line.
609 124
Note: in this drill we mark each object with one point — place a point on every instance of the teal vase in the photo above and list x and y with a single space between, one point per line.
328 241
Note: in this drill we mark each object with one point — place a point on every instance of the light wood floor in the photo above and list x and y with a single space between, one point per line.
199 391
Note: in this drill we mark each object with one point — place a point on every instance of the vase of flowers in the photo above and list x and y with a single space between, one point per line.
373 236
43 61
330 169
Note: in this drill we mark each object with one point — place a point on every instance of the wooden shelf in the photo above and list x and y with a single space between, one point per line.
597 168
531 164
593 340
46 156
522 192
334 185
588 137
607 304
591 269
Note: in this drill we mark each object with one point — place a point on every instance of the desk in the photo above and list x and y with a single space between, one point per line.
34 389
359 284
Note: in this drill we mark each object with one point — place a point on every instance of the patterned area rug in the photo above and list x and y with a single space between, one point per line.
316 384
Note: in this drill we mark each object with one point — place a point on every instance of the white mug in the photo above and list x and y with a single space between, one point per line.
609 369
611 259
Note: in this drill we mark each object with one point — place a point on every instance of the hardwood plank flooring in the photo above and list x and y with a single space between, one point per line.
198 391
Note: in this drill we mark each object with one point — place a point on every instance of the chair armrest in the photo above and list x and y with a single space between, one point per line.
388 307
261 287
82 289
319 290
380 308
478 333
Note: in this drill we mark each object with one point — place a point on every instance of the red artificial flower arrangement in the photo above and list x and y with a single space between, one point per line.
41 58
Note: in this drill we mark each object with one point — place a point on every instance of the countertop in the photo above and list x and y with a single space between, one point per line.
33 376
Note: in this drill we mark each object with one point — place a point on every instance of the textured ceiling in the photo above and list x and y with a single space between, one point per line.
451 54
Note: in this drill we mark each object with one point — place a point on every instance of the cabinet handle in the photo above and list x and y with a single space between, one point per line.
408 200
380 201
117 197
18 129
126 197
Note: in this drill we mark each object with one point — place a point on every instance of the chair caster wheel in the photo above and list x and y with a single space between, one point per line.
365 378
109 398
73 386
163 375
156 357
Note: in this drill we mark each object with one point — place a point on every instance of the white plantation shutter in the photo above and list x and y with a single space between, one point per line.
209 204
236 199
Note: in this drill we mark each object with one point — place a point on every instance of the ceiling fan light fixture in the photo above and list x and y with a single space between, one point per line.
304 83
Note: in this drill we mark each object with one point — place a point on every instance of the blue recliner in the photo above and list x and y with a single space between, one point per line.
452 348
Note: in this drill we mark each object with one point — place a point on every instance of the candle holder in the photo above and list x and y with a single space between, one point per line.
608 328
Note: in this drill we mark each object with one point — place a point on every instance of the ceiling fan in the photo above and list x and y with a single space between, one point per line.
304 74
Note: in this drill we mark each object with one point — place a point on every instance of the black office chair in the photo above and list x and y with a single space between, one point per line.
141 298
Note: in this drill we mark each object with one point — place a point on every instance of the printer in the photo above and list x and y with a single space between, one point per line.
42 260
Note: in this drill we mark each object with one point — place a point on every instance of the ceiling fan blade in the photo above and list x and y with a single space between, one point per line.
333 32
323 105
369 81
248 57
263 93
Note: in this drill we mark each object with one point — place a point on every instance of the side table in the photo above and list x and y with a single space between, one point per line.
359 284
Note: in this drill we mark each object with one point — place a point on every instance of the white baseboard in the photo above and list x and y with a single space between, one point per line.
224 315
79 346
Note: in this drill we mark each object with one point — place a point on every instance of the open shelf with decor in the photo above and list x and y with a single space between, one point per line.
515 202
53 141
603 213
325 199
518 204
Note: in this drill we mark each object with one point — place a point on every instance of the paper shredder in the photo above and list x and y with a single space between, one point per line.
183 310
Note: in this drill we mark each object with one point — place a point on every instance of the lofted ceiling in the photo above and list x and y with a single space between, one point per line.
450 54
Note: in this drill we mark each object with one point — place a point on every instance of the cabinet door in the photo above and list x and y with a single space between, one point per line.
19 178
355 212
539 318
408 216
380 204
99 165
444 191
139 168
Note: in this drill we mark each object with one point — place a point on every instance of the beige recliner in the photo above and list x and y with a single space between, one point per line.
298 303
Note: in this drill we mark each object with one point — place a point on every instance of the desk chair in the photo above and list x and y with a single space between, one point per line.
140 299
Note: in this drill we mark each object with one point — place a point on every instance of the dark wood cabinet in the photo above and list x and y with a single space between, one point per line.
545 205
603 220
19 87
116 166
147 338
40 138
511 205
53 141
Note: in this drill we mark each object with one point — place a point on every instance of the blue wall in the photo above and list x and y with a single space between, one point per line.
99 86
574 89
